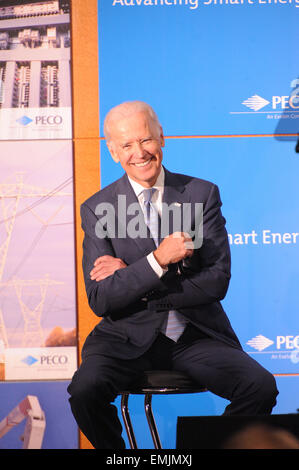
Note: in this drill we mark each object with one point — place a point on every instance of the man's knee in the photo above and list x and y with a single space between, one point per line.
262 387
90 388
267 387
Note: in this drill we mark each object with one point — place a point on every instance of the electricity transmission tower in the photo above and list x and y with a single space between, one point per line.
10 196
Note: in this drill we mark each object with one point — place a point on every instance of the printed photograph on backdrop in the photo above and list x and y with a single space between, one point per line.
35 77
34 415
37 271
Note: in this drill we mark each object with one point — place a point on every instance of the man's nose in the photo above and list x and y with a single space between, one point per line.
139 151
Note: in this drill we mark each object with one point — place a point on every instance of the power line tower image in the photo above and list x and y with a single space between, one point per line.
3 334
35 289
10 197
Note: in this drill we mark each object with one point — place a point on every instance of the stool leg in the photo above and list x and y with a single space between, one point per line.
127 420
151 420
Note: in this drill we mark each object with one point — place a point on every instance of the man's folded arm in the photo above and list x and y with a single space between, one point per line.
205 276
126 286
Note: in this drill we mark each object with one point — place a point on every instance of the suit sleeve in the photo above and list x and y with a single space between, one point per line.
125 287
206 277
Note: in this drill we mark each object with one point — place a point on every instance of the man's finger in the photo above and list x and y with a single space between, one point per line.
189 245
101 275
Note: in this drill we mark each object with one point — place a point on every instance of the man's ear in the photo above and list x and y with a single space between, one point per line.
162 140
113 152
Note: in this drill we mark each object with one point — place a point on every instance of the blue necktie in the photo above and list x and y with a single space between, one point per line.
152 218
175 324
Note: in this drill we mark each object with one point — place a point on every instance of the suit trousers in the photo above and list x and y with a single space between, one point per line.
224 370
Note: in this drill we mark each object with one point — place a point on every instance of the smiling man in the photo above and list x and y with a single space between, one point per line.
136 142
159 296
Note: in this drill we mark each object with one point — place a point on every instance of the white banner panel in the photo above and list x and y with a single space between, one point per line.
35 123
40 363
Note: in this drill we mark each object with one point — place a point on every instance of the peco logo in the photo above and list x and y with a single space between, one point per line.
278 103
260 342
288 342
46 120
24 120
256 102
274 104
54 360
29 360
35 123
40 363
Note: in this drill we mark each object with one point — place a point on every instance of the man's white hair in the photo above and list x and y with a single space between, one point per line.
126 109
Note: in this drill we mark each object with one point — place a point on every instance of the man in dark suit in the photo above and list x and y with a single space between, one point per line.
157 279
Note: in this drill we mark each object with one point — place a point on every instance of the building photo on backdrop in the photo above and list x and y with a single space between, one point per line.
223 78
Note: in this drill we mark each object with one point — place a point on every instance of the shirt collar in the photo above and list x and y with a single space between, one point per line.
159 184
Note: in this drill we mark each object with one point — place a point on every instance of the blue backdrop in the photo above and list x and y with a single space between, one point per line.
223 78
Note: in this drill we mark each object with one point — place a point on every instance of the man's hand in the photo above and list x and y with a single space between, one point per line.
174 248
104 266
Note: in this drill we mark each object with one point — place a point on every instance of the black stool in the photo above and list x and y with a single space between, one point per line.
155 382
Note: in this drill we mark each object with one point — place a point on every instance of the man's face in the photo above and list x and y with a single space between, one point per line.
137 144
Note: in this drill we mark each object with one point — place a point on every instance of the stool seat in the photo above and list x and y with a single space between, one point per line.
155 382
164 381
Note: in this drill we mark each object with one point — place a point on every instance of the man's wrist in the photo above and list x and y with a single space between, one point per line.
161 263
155 265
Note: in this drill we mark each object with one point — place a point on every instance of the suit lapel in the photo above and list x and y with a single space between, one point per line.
130 217
174 198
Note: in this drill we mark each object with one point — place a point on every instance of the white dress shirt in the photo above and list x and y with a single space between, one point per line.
157 203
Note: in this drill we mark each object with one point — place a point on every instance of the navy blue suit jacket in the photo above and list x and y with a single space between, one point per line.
134 301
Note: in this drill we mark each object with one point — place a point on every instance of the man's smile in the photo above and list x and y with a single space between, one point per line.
143 163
